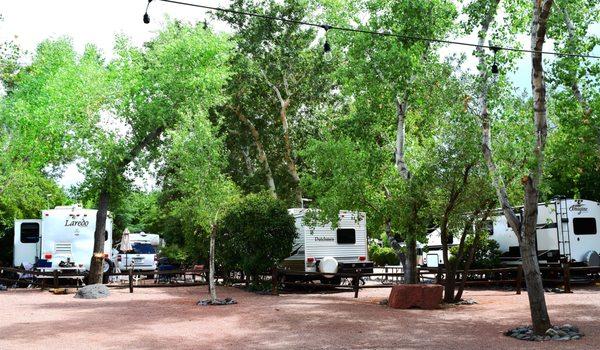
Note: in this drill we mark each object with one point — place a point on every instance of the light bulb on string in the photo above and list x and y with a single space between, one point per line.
495 69
327 54
146 16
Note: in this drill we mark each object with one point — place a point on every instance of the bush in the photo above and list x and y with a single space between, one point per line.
255 235
383 255
175 255
487 254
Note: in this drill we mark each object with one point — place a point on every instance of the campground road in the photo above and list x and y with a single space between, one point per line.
168 318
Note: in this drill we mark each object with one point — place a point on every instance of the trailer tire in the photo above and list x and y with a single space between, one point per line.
591 259
107 266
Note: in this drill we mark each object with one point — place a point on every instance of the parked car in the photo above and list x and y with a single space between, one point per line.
142 258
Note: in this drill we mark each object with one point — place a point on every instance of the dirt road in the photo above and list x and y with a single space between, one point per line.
167 318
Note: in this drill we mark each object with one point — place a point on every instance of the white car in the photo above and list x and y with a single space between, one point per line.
142 258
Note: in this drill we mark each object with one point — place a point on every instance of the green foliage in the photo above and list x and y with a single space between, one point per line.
255 235
487 254
175 254
139 211
178 75
382 256
275 63
40 118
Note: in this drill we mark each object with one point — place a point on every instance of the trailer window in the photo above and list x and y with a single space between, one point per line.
346 236
143 248
30 232
584 226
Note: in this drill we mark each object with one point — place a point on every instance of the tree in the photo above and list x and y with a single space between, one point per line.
377 76
179 73
194 172
524 228
44 116
573 103
280 80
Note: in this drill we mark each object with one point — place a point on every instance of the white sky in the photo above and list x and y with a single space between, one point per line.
28 22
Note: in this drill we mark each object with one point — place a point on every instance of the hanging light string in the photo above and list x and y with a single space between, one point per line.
376 33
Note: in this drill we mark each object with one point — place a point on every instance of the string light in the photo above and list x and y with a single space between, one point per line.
365 31
495 69
146 16
327 54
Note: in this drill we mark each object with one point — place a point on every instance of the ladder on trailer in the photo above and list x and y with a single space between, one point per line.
564 237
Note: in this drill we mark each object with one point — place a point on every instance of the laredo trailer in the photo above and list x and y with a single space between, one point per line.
567 230
329 250
63 239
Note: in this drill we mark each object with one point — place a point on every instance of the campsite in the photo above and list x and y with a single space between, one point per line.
287 174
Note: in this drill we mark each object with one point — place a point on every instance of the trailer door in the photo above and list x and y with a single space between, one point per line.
26 241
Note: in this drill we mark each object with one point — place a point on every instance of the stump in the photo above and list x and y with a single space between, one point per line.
423 296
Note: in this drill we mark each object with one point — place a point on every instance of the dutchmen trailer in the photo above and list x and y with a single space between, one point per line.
567 230
63 239
327 249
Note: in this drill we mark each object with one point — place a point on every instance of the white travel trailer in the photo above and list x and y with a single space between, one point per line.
329 250
567 229
143 237
63 239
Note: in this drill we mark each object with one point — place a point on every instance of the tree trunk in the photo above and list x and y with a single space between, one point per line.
468 262
96 263
211 265
410 261
289 159
262 156
471 254
284 103
401 107
410 270
531 270
524 229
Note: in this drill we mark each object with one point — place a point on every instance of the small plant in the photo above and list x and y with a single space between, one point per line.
382 256
487 254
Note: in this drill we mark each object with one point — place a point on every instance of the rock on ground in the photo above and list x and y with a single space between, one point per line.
226 301
93 291
423 296
564 332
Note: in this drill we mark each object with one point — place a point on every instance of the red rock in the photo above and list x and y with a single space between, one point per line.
423 296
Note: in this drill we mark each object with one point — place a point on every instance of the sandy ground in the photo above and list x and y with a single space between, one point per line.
167 318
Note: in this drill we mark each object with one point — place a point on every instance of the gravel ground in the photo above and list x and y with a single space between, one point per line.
153 318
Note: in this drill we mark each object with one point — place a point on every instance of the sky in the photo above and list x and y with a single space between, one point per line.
28 22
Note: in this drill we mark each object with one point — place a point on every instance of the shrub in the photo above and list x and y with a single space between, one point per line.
255 235
487 254
175 255
383 255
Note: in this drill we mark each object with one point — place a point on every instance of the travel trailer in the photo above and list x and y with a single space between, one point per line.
329 250
63 239
149 238
567 230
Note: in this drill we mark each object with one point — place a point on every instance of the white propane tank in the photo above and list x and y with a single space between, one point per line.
328 265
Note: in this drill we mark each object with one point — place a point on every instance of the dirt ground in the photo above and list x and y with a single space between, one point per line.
167 318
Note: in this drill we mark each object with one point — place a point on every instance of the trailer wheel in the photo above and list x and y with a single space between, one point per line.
591 259
107 266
